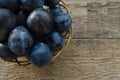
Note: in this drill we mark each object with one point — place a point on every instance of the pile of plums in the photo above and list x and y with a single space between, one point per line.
29 29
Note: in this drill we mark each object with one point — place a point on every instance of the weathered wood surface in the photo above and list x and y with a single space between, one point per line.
94 53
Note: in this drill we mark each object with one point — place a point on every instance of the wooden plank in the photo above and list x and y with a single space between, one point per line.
96 26
95 19
84 59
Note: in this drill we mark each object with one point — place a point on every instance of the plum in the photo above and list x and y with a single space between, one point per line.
7 23
40 55
62 22
30 5
55 41
10 4
20 41
40 22
6 54
55 10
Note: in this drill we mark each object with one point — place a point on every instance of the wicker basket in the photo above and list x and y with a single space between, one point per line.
67 36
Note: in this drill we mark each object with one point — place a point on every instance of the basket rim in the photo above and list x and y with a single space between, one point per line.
69 33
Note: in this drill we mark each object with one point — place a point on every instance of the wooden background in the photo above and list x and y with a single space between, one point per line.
94 53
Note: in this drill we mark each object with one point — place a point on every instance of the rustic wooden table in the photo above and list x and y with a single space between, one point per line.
94 53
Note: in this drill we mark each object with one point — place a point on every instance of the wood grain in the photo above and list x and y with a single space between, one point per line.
84 59
95 18
94 53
